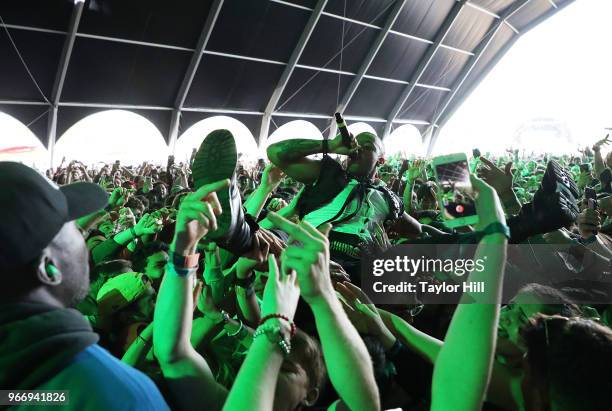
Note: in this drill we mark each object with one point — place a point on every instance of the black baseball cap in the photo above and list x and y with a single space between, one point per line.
33 210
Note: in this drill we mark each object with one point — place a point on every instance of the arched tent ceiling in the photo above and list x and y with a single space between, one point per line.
264 62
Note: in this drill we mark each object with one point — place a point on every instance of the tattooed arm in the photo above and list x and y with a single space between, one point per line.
291 156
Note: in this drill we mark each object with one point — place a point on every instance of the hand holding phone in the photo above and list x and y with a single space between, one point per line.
455 195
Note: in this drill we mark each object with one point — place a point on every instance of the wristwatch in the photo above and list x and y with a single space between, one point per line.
495 228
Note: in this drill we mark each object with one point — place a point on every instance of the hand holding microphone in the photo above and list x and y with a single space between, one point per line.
344 143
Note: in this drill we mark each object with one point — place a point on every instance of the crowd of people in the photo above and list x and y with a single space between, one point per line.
211 284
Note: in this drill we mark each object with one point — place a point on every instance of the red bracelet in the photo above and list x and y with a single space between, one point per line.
282 317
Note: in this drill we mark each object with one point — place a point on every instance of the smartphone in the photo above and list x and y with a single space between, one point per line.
590 195
455 195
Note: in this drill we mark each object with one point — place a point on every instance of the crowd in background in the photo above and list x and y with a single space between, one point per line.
562 326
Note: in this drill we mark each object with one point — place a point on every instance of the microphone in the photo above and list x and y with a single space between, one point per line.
346 137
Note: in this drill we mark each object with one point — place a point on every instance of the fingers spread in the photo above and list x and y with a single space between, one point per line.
487 162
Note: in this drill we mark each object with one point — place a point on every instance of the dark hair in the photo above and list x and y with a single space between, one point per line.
310 357
140 257
571 356
134 202
155 247
110 267
561 302
144 200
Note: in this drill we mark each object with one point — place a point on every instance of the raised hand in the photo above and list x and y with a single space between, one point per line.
197 216
350 368
276 204
337 272
309 258
126 217
363 314
488 205
282 292
118 198
148 224
276 244
415 170
271 177
257 255
500 180
207 306
337 146
604 141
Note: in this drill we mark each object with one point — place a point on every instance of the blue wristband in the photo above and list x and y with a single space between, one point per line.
180 272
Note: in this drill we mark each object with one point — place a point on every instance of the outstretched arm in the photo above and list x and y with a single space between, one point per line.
256 381
270 180
140 347
189 378
346 356
599 164
501 181
473 329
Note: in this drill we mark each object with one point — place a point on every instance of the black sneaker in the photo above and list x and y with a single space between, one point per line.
558 196
216 160
554 205
557 179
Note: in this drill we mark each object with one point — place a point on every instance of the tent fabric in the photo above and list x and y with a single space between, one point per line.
137 55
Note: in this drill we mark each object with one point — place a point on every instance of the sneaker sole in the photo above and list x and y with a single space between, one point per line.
216 160
559 194
560 175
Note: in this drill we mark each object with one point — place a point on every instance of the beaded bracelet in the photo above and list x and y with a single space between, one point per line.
282 317
270 329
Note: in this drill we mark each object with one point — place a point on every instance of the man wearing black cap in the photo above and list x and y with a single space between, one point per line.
44 344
